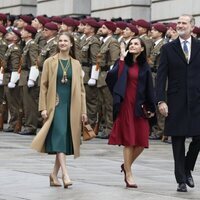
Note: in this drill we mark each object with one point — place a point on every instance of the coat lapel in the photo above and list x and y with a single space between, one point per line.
178 49
74 75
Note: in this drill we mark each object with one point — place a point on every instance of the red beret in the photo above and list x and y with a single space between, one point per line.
160 27
56 19
172 25
16 32
3 16
196 30
133 22
3 29
69 21
122 25
110 25
30 29
143 23
101 23
82 21
76 22
133 29
42 20
92 23
26 18
51 26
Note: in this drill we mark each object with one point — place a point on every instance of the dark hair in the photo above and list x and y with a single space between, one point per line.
71 38
141 59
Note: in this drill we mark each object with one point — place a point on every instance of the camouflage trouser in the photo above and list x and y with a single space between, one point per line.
30 98
13 102
91 102
158 128
106 100
3 105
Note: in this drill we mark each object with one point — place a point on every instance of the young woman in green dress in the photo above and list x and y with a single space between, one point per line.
62 105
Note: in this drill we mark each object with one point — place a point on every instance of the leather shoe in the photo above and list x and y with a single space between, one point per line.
182 187
27 132
189 179
155 137
9 129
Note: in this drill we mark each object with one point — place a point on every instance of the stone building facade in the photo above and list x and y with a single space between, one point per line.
152 10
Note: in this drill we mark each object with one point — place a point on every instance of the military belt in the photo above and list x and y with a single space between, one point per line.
86 64
104 68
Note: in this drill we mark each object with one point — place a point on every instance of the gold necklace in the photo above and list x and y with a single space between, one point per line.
64 69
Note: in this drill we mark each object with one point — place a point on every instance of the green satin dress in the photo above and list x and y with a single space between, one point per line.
59 139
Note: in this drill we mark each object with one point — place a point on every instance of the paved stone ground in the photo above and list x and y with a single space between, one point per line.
96 174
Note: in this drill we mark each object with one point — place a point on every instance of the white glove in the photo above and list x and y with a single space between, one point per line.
11 85
92 82
1 78
30 83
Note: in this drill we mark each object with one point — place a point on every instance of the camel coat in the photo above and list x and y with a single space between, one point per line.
47 101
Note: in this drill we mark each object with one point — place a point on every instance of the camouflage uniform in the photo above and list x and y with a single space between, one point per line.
12 64
109 52
29 94
154 59
89 49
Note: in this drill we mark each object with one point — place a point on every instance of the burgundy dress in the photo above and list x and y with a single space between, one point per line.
129 130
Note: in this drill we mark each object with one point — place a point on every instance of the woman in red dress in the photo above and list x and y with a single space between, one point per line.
130 83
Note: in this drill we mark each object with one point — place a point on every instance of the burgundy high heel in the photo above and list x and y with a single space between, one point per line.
128 185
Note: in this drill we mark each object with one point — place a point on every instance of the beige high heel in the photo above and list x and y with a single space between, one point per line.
54 182
66 181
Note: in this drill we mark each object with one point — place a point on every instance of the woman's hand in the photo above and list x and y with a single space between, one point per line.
44 114
123 51
84 118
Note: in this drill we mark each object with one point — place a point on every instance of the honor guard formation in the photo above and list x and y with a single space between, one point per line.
27 41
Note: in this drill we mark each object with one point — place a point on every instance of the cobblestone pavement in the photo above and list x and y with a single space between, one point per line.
96 174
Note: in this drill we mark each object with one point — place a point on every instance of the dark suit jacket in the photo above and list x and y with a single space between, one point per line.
117 86
183 93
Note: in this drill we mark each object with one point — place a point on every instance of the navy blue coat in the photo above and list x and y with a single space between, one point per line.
145 92
183 93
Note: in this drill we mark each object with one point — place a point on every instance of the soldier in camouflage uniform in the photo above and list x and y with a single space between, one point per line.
120 26
158 33
109 52
3 48
12 64
143 27
38 23
69 25
90 47
29 88
49 33
129 32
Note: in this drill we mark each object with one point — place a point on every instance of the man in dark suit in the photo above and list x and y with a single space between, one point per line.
179 63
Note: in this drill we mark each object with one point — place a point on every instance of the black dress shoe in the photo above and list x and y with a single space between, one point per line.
189 179
27 132
155 137
182 187
9 129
